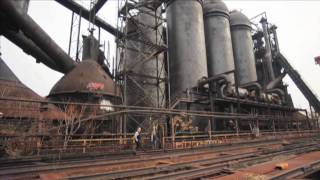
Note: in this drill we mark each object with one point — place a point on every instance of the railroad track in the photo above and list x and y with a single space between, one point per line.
34 162
33 171
202 168
41 167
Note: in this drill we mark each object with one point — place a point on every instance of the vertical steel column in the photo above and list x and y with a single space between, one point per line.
312 115
78 38
71 29
236 83
307 119
286 119
211 120
275 37
125 76
115 67
172 133
157 58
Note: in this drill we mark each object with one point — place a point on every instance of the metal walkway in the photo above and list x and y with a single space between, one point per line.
295 76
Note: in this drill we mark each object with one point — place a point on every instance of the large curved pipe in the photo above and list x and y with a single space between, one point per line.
32 30
275 82
28 46
205 81
254 86
222 91
278 92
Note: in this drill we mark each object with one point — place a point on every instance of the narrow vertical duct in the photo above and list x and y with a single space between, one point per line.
242 48
218 39
268 56
186 45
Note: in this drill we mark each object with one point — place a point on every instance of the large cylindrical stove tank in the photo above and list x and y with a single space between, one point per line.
186 45
242 48
218 39
186 50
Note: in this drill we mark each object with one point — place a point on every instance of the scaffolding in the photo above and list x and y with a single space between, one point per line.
140 64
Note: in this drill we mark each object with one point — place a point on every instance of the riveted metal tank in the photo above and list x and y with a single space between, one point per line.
218 39
242 48
186 45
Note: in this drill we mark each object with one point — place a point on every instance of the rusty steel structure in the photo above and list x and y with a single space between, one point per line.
140 65
178 164
191 74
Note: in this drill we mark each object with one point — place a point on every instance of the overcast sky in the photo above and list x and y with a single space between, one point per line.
298 31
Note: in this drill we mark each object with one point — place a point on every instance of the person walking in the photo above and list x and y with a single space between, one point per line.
154 138
137 139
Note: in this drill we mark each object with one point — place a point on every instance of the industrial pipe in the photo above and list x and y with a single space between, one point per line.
232 91
28 46
273 30
219 77
37 35
268 54
275 82
279 92
254 86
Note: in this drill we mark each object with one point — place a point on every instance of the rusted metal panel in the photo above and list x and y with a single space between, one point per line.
10 86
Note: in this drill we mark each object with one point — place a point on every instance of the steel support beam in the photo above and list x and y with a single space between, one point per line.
97 6
85 13
303 87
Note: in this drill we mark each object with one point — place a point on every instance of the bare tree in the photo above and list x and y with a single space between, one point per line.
71 122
